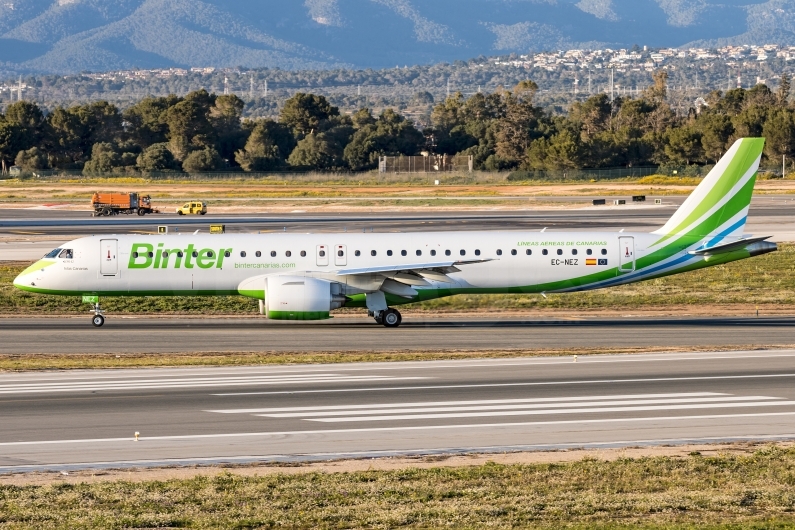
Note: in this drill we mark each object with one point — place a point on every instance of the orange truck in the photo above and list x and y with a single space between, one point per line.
118 203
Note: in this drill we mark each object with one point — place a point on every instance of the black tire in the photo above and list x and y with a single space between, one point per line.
203 213
391 318
141 212
98 321
180 213
106 212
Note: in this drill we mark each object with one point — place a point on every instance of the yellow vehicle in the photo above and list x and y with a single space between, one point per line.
193 208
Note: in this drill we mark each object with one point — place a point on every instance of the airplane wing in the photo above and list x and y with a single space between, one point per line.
444 267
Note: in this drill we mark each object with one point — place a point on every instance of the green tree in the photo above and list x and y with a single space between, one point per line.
262 153
304 112
156 157
683 145
315 151
779 133
104 158
32 159
784 86
188 123
225 116
206 159
7 145
64 137
391 134
147 123
28 121
716 131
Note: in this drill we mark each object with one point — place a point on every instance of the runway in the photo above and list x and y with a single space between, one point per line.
417 333
82 419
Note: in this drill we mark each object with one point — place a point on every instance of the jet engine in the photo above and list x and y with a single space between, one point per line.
295 297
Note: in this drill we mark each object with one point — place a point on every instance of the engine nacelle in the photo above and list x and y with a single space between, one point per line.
295 297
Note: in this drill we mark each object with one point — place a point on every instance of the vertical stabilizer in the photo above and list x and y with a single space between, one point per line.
718 207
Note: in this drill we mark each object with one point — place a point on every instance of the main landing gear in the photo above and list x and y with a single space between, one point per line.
389 318
98 319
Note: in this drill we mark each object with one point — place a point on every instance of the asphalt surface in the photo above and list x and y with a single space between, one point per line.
81 419
416 333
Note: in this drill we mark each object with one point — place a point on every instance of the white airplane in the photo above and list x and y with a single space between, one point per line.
306 276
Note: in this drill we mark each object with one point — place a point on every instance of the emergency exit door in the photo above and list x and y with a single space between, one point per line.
626 258
340 255
109 263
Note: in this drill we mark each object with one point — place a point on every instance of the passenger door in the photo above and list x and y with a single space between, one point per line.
340 255
322 256
626 258
109 262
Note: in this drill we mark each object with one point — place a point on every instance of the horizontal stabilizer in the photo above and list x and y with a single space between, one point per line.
727 247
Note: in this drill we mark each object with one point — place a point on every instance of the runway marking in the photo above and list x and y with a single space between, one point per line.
86 386
497 385
582 410
471 426
498 409
450 403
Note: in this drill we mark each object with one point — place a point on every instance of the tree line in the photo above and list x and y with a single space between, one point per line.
502 130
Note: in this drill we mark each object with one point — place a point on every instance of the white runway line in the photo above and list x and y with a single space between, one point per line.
583 410
497 385
516 407
475 402
86 386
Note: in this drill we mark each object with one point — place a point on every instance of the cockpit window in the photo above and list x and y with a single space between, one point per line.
66 254
53 253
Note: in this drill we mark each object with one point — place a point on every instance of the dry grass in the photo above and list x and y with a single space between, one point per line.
728 491
37 361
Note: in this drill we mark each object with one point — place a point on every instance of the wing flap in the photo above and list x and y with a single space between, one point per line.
440 266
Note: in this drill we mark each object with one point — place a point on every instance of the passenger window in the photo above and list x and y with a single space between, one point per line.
226 254
209 253
148 254
164 254
303 253
477 252
604 252
273 253
433 252
242 253
545 252
322 253
574 252
463 252
529 252
373 252
258 254
589 251
560 252
419 252
288 253
53 253
403 253
499 252
180 254
67 254
513 252
447 252
388 252
135 254
195 254
340 253
357 253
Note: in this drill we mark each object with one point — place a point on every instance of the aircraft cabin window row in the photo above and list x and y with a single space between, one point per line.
68 253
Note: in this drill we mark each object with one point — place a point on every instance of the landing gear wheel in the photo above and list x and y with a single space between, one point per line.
97 320
391 318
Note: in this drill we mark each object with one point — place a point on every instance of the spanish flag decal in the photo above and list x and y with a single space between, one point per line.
590 261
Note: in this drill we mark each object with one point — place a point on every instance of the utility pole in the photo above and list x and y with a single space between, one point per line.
575 84
226 86
19 89
358 90
611 85
251 87
448 87
589 81
783 166
266 88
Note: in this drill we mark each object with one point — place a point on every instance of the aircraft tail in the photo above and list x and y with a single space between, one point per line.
718 207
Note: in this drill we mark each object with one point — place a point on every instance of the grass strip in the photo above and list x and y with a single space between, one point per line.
55 361
729 491
764 280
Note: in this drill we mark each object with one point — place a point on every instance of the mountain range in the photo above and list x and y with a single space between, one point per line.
68 36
